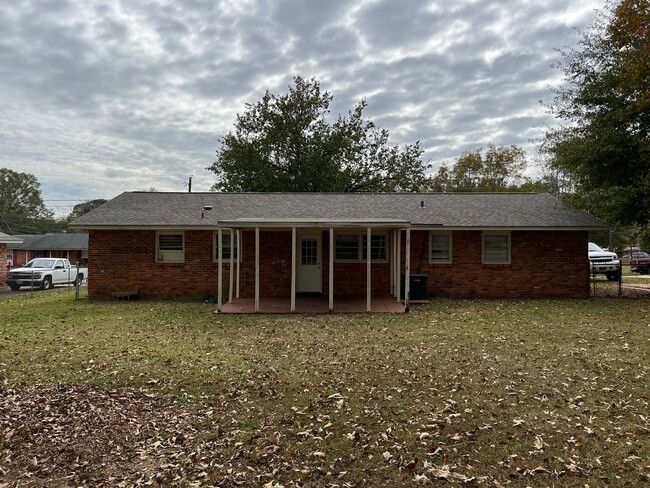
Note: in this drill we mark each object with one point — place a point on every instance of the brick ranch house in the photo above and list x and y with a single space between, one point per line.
73 247
5 241
236 245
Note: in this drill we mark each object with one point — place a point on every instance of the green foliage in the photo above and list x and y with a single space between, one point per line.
285 143
22 210
83 208
605 104
499 169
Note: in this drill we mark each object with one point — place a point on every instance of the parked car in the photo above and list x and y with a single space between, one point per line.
44 273
604 262
636 255
640 262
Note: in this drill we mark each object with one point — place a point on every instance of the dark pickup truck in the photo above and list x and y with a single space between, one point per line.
640 262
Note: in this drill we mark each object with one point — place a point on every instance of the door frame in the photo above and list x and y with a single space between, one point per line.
319 259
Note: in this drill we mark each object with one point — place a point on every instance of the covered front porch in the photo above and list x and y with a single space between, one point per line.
330 266
313 304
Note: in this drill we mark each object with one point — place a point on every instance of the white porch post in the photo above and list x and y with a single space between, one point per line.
232 265
257 269
368 272
293 269
391 262
398 269
238 259
407 270
220 268
331 270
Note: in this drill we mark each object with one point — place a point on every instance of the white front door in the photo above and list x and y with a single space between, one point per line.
309 262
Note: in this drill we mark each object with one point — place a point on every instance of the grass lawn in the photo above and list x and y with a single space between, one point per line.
494 393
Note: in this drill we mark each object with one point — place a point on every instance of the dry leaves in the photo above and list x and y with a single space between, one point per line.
491 393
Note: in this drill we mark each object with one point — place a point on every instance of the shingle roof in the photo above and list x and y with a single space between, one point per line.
7 239
470 210
52 242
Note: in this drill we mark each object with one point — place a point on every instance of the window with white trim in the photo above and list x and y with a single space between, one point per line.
347 247
354 247
496 247
170 247
377 247
227 238
440 247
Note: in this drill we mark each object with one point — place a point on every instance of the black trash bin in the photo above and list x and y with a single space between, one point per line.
417 286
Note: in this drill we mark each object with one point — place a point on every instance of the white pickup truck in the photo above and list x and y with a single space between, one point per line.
44 273
604 262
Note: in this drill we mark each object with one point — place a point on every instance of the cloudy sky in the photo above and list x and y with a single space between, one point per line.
99 97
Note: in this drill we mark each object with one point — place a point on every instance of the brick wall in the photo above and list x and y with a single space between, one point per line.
543 264
21 257
275 264
125 260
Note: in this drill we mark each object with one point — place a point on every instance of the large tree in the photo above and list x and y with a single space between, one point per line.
22 210
604 105
286 143
500 168
83 208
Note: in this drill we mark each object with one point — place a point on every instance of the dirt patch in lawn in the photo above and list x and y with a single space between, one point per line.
54 435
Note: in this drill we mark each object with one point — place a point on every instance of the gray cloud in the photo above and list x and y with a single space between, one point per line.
100 97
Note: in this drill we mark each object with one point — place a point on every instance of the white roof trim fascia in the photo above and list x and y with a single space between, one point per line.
145 227
10 240
313 223
505 227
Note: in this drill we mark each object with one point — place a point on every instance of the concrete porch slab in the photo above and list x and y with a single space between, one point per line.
316 304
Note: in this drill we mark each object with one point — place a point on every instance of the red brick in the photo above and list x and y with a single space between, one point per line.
544 263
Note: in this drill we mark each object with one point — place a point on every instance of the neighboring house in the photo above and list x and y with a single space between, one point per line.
287 244
73 247
6 240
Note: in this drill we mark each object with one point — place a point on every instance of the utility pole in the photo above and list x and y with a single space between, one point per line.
189 185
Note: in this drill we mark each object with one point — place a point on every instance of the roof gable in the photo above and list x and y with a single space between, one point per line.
7 239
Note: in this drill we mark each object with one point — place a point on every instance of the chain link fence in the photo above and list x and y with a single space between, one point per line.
33 285
627 284
624 284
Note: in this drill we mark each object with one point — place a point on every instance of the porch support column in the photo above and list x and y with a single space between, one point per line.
220 268
407 270
331 270
293 269
257 269
232 265
398 269
391 262
238 259
368 271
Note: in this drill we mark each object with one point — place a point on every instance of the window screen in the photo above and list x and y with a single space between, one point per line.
347 247
170 242
496 248
377 247
440 247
